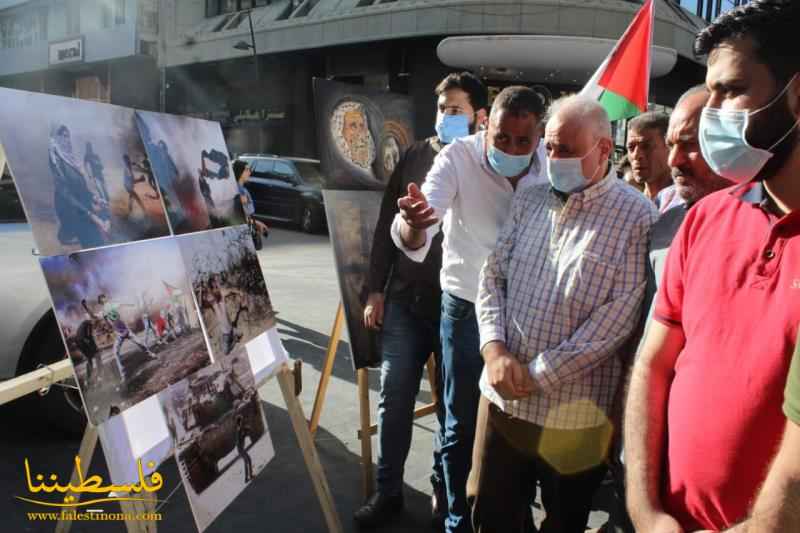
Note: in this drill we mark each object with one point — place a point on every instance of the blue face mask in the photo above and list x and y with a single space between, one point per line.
566 174
451 127
508 165
723 142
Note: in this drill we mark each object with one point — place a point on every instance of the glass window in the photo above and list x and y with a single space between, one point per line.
73 17
23 29
212 8
119 12
284 168
229 6
310 172
57 21
261 168
105 15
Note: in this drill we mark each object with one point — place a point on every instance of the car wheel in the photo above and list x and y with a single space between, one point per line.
308 222
61 408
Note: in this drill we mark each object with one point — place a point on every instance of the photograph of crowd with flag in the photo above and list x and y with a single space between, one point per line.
131 329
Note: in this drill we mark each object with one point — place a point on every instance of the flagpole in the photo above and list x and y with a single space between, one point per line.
650 55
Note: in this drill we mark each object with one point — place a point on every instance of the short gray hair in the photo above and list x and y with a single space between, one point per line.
586 108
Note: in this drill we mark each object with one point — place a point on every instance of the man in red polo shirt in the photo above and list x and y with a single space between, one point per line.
704 416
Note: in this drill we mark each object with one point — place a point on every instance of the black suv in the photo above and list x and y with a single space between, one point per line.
288 189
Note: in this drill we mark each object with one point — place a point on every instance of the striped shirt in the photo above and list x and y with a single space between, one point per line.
563 290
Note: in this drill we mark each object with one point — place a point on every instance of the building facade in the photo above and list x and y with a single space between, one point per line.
249 64
266 104
103 50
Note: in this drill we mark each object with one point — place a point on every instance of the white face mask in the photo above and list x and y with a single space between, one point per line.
566 174
723 141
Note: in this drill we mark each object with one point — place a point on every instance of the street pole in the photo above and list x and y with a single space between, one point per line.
258 78
253 42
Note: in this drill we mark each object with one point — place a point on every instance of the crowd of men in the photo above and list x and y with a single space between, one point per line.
508 246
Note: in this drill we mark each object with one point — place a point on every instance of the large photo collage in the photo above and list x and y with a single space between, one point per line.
155 284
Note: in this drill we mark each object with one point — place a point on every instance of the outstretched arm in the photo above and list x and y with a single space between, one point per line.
421 211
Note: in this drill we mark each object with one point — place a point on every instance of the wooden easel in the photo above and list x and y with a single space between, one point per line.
290 383
367 428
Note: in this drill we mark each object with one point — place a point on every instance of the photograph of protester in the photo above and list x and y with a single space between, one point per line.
190 162
221 437
107 303
229 286
79 170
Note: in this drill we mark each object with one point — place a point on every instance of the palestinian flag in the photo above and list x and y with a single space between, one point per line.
622 83
172 291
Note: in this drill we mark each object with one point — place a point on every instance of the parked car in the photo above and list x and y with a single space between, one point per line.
288 189
29 334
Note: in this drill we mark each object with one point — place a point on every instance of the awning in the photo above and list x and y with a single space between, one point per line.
539 58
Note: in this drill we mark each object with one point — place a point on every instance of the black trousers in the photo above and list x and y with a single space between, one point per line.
509 457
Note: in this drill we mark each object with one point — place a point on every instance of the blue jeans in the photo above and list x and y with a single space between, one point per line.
407 342
462 365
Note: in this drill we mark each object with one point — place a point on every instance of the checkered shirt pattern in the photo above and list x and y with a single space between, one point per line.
563 290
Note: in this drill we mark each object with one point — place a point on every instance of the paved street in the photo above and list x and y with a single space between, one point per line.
302 283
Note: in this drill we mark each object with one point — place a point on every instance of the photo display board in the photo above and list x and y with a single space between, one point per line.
155 284
362 134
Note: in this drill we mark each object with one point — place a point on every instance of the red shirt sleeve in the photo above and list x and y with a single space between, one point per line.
669 300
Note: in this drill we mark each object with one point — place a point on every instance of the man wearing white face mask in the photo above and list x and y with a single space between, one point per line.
703 417
470 188
559 297
404 304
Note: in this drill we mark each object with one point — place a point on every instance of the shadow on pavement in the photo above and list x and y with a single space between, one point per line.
281 498
310 346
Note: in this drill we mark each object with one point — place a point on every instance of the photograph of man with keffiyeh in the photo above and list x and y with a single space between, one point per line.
81 171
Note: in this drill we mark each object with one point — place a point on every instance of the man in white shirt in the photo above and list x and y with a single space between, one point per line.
470 189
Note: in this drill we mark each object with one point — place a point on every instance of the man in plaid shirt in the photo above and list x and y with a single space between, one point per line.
559 296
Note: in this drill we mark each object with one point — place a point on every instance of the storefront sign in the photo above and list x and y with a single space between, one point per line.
70 51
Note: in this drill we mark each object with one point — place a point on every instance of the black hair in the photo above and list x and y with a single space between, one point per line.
470 84
519 100
771 24
238 168
652 120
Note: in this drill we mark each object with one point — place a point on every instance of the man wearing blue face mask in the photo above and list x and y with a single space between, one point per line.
703 416
470 188
404 303
560 296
